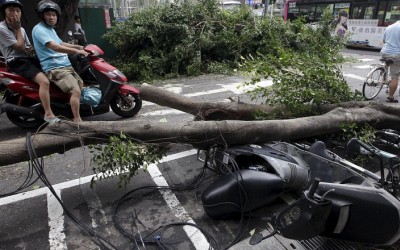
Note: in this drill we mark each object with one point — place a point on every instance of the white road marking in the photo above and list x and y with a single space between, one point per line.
355 76
96 211
238 89
195 236
44 190
163 112
178 155
213 91
209 92
175 89
362 66
56 222
146 103
229 87
57 238
366 59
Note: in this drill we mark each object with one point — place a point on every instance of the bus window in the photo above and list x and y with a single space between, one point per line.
321 8
357 12
363 11
293 11
381 12
340 6
369 12
393 13
308 11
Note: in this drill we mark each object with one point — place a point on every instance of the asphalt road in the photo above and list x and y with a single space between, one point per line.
35 220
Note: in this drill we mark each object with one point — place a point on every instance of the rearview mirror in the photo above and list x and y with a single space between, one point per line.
352 147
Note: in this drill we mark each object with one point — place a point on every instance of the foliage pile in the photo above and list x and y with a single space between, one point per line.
304 63
193 38
186 39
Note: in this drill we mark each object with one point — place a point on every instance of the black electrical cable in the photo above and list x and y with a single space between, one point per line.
243 201
233 168
38 167
158 241
25 184
103 243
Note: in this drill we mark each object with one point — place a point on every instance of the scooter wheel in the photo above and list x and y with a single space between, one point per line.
126 105
25 122
22 121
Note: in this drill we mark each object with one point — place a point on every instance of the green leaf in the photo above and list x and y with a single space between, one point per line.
121 155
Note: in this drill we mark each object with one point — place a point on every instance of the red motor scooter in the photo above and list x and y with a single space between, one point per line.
22 103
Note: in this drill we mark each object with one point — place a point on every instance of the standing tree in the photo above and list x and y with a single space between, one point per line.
69 8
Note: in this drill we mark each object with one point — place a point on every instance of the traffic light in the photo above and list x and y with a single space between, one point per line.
272 1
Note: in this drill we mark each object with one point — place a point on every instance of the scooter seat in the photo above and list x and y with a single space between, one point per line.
240 192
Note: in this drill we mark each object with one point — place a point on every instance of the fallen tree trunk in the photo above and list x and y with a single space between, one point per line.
59 138
228 111
202 110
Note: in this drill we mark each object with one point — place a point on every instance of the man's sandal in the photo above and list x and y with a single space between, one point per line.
392 99
51 120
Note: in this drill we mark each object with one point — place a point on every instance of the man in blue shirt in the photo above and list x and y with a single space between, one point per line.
52 53
391 50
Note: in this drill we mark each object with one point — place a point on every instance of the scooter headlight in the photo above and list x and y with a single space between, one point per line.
117 76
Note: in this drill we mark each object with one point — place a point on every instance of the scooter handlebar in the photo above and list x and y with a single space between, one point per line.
355 146
313 188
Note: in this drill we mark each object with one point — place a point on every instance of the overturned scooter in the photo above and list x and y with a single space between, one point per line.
22 103
341 201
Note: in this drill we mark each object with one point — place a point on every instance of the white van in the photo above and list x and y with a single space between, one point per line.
227 5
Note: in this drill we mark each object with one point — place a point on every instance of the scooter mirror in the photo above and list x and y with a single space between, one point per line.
78 35
256 238
355 146
352 147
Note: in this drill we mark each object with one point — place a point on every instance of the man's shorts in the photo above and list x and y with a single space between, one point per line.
395 67
27 67
65 78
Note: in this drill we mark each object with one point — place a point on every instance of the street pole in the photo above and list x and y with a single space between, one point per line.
266 8
272 9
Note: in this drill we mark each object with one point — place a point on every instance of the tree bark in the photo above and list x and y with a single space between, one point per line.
202 110
59 138
68 10
228 111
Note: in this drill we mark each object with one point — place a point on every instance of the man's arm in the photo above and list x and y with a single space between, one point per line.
20 44
74 46
66 48
15 24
